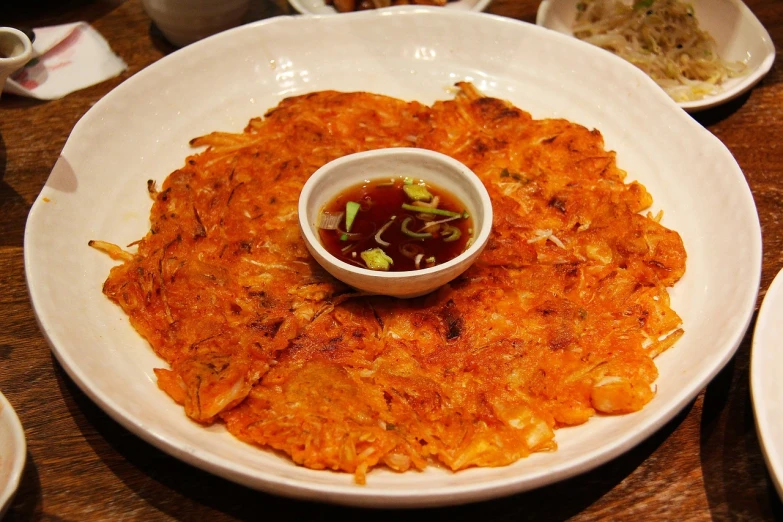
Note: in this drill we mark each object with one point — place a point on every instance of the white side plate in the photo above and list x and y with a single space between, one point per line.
766 367
139 131
13 452
738 33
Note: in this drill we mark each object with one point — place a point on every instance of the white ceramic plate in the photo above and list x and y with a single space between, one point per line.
738 34
13 451
766 366
141 130
319 6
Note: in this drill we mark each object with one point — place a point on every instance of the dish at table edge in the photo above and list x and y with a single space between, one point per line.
766 364
162 107
739 36
13 453
319 7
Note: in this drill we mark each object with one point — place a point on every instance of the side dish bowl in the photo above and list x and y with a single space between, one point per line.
434 167
321 7
738 34
13 451
183 22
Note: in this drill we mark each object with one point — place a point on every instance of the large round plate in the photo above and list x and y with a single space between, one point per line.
766 366
141 130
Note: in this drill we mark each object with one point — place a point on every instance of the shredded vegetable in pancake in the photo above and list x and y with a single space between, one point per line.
662 38
559 319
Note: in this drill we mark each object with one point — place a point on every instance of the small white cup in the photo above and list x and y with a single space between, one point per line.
183 22
15 51
439 169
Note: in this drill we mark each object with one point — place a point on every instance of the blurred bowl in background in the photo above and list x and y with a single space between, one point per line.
183 22
15 51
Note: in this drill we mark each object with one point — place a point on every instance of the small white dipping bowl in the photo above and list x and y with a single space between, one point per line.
420 164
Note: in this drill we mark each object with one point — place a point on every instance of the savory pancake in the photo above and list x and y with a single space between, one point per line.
559 319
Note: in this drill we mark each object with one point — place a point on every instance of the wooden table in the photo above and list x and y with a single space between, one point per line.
81 465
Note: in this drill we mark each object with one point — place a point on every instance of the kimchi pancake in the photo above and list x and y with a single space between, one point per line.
559 319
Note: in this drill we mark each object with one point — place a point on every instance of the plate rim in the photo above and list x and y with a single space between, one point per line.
348 494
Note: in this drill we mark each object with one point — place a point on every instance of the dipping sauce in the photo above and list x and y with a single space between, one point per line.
397 224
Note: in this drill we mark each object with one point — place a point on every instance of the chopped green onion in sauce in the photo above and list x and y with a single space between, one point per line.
451 234
351 209
436 211
377 259
395 224
417 192
408 232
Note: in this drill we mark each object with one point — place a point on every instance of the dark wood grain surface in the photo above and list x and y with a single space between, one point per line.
81 465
